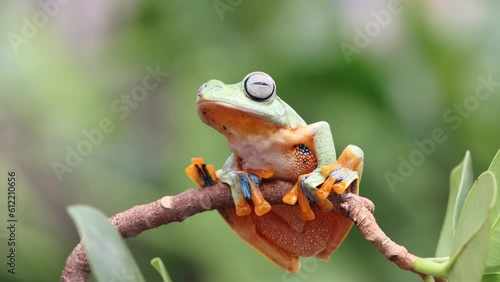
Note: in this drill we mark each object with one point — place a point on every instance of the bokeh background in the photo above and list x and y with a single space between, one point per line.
382 82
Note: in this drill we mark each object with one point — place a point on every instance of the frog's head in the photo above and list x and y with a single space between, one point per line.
239 106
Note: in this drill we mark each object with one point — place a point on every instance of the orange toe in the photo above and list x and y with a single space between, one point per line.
325 189
324 205
261 205
292 195
243 209
306 212
197 161
262 209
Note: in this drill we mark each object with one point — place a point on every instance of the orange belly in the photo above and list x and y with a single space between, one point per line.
283 237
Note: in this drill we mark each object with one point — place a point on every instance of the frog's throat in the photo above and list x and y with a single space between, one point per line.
236 123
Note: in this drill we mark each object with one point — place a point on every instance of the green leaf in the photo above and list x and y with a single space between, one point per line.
469 263
493 262
470 245
461 180
493 277
495 168
109 257
160 267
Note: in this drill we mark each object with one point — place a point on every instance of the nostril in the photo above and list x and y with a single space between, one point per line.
201 89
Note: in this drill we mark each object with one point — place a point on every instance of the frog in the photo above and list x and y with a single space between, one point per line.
270 141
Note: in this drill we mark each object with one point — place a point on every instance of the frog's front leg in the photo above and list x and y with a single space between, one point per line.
305 189
245 186
339 175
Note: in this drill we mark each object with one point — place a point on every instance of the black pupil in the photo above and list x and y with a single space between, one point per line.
261 83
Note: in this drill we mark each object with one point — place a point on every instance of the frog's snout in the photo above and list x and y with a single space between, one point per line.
200 90
212 84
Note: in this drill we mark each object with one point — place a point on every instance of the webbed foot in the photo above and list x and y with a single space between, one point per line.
246 186
345 173
202 174
303 193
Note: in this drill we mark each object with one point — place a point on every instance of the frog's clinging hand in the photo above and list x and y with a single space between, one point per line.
269 140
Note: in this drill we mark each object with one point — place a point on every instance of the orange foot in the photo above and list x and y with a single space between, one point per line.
251 191
246 186
343 174
202 174
300 193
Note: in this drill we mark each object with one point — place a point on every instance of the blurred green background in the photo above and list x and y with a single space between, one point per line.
383 74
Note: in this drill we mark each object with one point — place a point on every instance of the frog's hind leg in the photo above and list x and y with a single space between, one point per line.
344 174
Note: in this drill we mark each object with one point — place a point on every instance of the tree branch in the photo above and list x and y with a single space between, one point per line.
132 222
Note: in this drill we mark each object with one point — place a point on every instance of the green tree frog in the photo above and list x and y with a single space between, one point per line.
269 140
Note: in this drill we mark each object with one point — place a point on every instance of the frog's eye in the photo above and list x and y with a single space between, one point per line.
259 86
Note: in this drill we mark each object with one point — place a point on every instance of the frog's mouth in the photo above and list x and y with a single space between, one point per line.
205 105
230 119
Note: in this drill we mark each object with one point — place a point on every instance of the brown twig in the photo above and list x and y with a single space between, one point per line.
177 208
